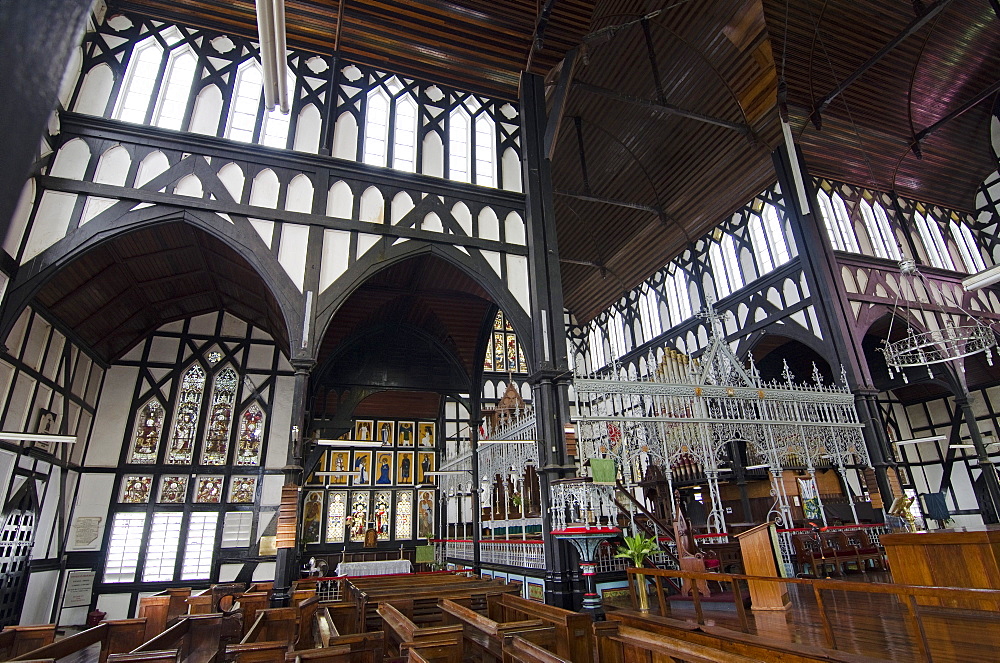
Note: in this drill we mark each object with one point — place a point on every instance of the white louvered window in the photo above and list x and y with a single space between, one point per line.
236 529
123 547
161 550
200 546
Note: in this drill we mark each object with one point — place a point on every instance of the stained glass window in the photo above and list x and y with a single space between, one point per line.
404 514
209 490
505 354
135 489
312 517
148 427
380 515
220 418
242 490
425 515
335 516
359 515
251 433
186 418
173 489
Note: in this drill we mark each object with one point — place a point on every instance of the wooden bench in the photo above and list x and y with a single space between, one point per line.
518 650
483 637
355 648
17 640
116 636
626 631
170 656
197 638
273 625
256 652
574 637
401 634
419 602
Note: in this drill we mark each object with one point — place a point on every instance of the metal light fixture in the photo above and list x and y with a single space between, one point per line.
934 346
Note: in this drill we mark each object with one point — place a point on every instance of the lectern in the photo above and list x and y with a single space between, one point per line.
762 557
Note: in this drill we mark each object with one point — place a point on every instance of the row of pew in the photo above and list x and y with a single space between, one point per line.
412 618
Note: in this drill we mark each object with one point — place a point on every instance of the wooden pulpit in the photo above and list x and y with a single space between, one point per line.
762 557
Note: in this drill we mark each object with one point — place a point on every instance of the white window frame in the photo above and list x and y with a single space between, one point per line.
486 161
138 69
967 247
837 222
240 84
175 89
879 230
404 141
934 242
376 133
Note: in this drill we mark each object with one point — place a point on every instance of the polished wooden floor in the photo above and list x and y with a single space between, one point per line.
873 625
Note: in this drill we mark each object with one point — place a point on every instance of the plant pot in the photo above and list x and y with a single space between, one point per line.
642 592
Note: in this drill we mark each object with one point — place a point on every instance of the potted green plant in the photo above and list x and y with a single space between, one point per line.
636 549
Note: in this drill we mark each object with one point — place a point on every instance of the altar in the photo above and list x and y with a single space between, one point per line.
375 568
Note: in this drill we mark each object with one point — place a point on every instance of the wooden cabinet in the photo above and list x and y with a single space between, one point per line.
968 557
761 557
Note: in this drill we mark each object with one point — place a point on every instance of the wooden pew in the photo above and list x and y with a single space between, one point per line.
17 640
250 603
649 635
518 650
574 638
401 633
198 638
356 648
201 603
256 652
483 637
116 636
274 625
170 656
419 602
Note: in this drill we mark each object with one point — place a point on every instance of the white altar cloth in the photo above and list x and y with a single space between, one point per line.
379 568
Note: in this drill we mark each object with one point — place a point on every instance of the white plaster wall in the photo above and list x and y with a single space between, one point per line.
38 598
112 417
92 500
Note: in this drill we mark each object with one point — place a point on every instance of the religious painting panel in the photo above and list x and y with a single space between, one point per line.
251 436
358 519
499 354
363 429
387 432
336 516
536 591
220 418
363 465
186 415
425 463
404 468
312 516
209 490
339 461
243 490
425 430
511 352
148 428
404 515
135 489
425 514
381 515
383 468
173 489
406 434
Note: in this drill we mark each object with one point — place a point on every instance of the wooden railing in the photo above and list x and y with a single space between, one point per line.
909 596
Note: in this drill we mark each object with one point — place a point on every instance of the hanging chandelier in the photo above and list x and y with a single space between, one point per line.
934 346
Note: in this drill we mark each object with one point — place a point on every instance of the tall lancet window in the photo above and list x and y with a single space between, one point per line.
377 128
220 418
186 416
458 145
148 428
139 83
175 89
404 149
486 164
251 436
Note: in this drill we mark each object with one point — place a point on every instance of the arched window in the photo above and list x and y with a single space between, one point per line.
837 221
186 416
245 103
967 247
652 326
775 236
220 418
934 243
404 148
148 428
879 230
765 263
459 144
678 300
376 128
597 356
139 83
251 436
175 89
725 266
486 165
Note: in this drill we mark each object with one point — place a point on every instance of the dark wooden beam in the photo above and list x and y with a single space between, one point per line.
667 109
908 31
559 102
971 103
609 201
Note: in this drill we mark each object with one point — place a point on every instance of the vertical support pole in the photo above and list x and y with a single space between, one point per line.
990 510
477 530
549 365
287 560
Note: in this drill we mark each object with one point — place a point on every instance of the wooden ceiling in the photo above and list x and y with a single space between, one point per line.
122 290
637 174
